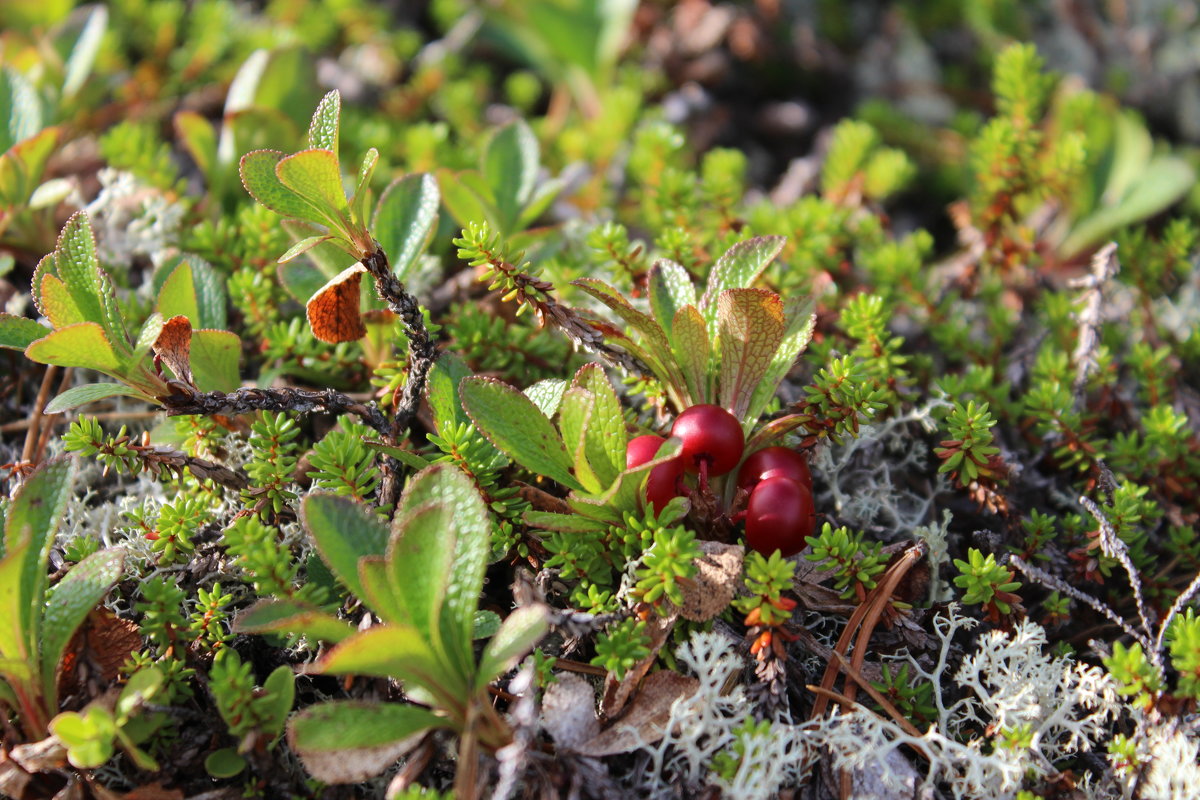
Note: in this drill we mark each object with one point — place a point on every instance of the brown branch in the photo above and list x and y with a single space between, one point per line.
245 401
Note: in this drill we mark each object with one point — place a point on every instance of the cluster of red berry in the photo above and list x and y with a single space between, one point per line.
780 512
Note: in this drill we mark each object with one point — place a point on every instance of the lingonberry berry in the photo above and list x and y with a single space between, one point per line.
663 481
779 516
710 435
773 462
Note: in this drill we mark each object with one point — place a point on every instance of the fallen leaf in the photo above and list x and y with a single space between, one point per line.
617 693
718 573
646 721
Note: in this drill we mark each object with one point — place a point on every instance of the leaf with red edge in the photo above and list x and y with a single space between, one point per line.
749 330
693 350
257 170
738 268
316 177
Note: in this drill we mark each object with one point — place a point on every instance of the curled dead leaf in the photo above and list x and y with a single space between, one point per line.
174 345
333 312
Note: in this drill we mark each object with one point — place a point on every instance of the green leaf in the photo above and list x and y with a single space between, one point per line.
448 487
419 557
283 79
441 388
517 428
573 417
741 265
605 439
547 394
405 457
195 290
522 629
567 523
693 351
68 604
487 624
314 175
83 344
749 331
52 297
510 165
142 686
214 360
34 516
670 289
92 291
350 741
20 108
323 130
200 139
393 651
301 247
16 657
1161 184
17 333
467 198
89 393
83 54
224 763
22 165
405 219
379 593
257 169
280 687
653 336
88 737
800 323
343 531
287 616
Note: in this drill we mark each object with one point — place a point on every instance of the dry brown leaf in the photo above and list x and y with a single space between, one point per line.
333 312
646 721
174 347
716 581
617 693
569 711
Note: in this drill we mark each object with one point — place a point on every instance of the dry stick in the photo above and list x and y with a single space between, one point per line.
245 401
53 419
1104 267
882 590
1113 547
422 351
1049 581
875 694
43 396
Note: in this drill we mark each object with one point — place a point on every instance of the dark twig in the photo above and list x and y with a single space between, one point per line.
244 401
422 353
1057 584
422 349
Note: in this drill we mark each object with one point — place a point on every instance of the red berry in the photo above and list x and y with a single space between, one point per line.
712 434
662 485
663 481
779 516
773 462
642 449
